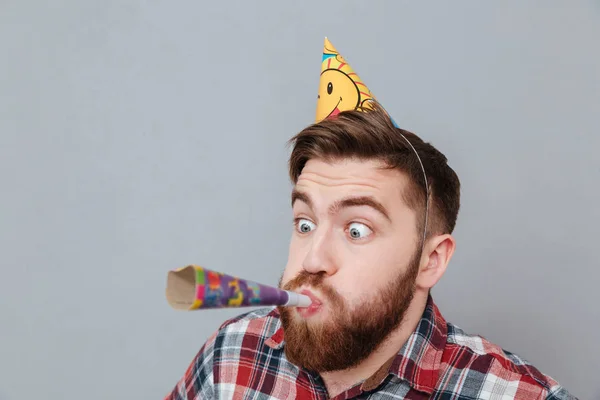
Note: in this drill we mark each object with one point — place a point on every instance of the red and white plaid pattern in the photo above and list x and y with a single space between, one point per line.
244 359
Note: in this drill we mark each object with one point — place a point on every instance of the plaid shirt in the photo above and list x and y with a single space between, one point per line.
244 359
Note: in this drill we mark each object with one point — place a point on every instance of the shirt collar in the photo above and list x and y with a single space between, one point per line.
419 360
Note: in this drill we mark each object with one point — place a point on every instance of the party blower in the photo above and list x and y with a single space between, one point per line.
194 288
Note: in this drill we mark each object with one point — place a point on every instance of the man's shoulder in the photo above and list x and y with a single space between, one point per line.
233 346
497 369
262 322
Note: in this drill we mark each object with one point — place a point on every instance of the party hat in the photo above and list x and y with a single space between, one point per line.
340 88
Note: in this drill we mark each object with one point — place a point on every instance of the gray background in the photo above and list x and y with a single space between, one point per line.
141 136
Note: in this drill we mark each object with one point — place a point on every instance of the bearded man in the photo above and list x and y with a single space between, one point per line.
374 208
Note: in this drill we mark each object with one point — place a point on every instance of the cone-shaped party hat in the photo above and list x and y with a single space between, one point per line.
340 88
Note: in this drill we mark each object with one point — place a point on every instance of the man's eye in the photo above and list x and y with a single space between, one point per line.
304 225
359 231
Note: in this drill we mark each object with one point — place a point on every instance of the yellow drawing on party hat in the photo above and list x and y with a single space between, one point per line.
340 88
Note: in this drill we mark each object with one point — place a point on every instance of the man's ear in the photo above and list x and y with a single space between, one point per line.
436 255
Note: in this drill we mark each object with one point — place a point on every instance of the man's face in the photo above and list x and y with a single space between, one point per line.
355 251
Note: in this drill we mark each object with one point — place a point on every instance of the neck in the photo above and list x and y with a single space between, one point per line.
339 381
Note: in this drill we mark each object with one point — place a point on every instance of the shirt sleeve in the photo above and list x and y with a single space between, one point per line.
198 381
559 393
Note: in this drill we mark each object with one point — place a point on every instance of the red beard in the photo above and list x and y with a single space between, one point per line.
349 336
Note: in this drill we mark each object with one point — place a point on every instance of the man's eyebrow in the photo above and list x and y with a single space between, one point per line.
357 202
303 197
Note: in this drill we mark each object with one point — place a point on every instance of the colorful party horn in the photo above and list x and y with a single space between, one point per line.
194 288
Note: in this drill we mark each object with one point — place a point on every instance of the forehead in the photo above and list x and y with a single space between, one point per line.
352 176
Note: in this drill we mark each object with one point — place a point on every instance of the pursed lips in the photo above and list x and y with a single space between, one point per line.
315 300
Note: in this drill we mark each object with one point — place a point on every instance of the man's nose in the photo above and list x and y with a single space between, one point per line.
320 257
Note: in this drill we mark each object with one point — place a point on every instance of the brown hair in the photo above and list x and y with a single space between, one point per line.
369 133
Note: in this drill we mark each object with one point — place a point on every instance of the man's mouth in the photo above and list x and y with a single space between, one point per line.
311 310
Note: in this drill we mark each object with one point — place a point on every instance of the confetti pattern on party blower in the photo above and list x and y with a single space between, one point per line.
194 288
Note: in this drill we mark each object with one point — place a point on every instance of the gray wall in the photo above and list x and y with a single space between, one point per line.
140 136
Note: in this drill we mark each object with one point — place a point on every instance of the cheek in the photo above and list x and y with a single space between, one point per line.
355 279
367 269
